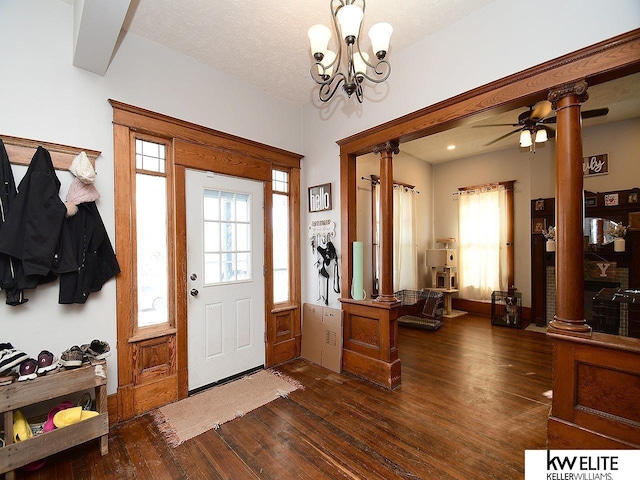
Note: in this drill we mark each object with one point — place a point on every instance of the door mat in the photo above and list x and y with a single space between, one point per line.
209 409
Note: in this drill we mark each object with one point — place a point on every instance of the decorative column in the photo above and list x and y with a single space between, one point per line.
386 151
569 317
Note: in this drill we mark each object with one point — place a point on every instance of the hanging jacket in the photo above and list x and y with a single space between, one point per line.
93 252
32 228
8 265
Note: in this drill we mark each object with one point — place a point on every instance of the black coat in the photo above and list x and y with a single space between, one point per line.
33 225
10 268
93 253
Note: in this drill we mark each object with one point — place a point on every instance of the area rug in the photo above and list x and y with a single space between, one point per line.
532 327
209 409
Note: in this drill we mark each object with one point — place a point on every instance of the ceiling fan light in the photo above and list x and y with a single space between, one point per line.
380 35
541 136
319 36
349 18
525 139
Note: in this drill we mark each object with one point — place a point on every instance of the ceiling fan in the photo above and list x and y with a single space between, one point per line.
532 124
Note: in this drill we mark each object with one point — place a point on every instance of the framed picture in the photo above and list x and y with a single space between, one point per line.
633 197
611 200
320 198
538 225
540 204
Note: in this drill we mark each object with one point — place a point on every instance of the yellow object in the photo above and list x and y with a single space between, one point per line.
21 428
72 415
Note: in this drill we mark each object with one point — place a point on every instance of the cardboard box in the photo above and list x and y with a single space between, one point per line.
322 336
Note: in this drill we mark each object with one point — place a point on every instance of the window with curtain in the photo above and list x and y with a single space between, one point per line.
405 250
482 251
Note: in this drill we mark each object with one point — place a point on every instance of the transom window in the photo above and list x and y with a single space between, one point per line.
227 237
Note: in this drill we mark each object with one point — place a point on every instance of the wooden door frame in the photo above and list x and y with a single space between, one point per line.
163 350
596 64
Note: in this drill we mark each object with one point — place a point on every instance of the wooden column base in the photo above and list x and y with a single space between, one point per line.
570 327
370 332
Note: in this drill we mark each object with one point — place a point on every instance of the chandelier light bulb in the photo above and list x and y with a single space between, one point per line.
326 62
359 64
319 36
349 18
380 35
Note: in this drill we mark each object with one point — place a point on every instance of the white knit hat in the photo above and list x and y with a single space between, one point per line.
81 167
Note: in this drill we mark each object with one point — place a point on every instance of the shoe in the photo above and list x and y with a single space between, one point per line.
72 415
85 401
72 357
28 370
10 357
49 425
97 349
21 428
47 361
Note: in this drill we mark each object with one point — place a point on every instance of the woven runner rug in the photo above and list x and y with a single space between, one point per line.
209 409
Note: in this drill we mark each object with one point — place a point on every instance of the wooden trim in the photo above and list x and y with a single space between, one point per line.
21 151
139 119
598 63
181 296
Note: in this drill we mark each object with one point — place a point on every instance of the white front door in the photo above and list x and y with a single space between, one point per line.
225 265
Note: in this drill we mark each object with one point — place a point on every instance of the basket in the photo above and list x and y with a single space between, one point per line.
422 309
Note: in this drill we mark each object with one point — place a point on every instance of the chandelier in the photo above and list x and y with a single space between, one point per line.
347 21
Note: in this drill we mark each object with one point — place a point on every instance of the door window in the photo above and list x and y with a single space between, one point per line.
227 237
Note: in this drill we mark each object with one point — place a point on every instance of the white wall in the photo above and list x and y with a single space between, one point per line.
485 46
44 97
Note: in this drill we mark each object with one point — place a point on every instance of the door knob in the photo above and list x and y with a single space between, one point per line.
194 292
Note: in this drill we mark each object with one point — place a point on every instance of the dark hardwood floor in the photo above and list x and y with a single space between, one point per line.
471 401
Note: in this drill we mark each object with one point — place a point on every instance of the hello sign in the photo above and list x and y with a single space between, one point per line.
595 165
320 198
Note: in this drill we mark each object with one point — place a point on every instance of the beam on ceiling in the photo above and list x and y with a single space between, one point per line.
96 27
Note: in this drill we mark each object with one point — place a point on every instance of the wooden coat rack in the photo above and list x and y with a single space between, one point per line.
21 151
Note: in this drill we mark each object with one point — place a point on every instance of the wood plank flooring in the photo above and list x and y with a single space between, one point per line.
471 401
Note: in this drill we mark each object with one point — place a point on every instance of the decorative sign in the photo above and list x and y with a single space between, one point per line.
323 227
320 198
597 270
595 165
590 202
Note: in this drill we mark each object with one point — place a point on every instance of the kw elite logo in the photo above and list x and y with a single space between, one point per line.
581 464
581 467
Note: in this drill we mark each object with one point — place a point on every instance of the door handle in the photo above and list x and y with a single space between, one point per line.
194 292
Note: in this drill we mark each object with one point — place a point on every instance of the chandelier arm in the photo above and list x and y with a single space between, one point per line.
328 89
382 75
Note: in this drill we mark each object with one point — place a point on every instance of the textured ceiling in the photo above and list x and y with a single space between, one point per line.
265 43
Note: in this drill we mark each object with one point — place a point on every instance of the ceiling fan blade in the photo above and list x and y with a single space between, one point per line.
598 112
541 110
497 125
502 137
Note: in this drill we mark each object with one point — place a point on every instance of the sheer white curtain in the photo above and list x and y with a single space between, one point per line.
482 252
405 252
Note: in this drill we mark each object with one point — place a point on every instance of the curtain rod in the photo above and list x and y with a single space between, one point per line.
375 179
